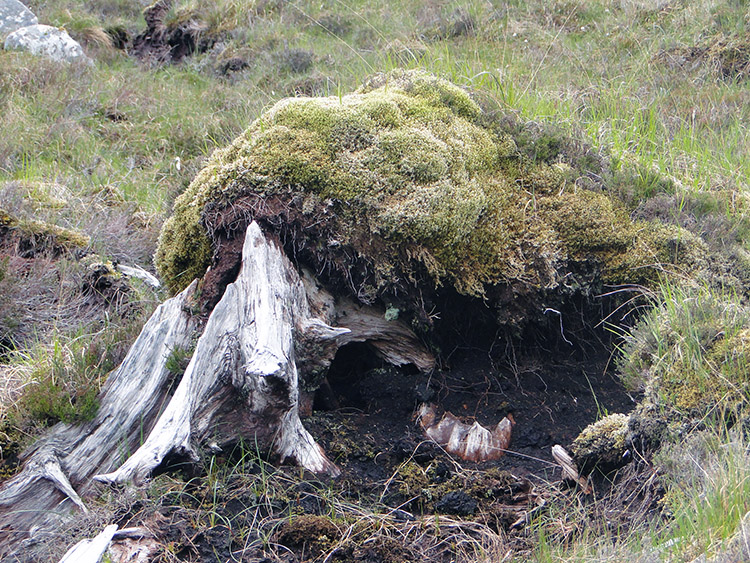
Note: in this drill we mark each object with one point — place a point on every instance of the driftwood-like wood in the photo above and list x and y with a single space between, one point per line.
60 466
92 550
242 383
569 469
131 545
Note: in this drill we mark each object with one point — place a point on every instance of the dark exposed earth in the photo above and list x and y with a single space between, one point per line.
238 508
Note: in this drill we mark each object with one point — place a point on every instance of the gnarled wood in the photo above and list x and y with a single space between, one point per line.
60 466
242 383
247 351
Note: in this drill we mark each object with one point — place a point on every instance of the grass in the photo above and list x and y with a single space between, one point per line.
688 354
124 139
272 516
709 496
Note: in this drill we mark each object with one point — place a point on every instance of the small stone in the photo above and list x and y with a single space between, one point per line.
47 41
14 15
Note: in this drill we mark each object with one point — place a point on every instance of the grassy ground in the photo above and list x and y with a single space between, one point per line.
660 86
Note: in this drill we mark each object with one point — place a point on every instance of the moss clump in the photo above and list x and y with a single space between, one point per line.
719 384
690 356
35 235
340 437
315 534
406 181
69 239
602 444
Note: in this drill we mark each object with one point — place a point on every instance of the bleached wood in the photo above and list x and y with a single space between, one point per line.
242 383
393 340
92 550
59 467
140 273
246 350
569 469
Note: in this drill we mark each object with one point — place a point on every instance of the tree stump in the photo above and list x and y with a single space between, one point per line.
242 383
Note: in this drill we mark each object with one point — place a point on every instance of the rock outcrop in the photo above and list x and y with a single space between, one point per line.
47 41
13 16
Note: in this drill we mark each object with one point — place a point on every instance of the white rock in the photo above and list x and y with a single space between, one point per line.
14 15
46 40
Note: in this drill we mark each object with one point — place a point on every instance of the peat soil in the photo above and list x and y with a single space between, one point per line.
399 497
550 394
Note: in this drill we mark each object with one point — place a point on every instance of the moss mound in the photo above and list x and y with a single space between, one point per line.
690 356
408 184
602 444
32 235
728 57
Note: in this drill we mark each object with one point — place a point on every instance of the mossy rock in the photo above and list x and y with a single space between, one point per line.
603 444
408 185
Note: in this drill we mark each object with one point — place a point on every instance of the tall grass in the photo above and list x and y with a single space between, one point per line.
709 496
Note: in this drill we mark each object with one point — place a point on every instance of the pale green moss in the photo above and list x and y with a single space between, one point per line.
32 229
70 239
48 195
719 385
691 358
415 181
184 251
602 443
101 265
6 219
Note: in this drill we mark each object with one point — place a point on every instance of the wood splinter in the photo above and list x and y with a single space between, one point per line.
562 457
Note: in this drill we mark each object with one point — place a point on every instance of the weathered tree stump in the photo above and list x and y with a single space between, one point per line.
242 383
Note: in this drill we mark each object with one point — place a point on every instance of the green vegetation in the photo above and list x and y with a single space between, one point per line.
616 130
689 355
602 444
417 176
38 233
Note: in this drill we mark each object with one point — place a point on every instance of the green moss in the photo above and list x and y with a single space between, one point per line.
411 176
43 234
413 481
690 356
602 443
315 534
341 438
6 219
719 384
424 487
184 251
105 267
67 238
